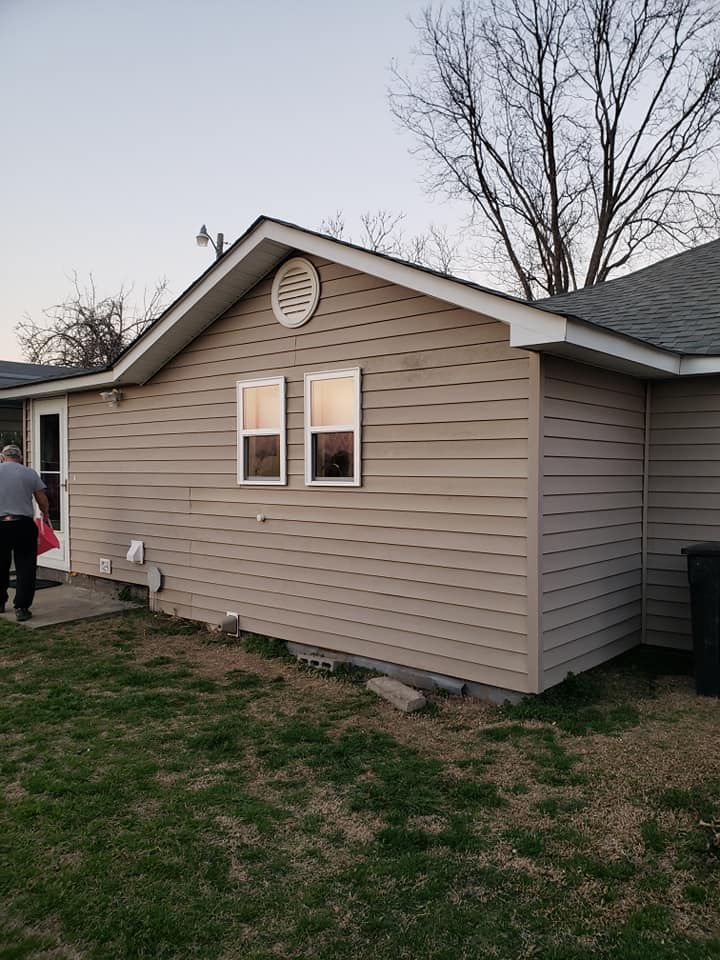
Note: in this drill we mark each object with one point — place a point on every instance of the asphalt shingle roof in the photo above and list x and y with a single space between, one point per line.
13 374
674 304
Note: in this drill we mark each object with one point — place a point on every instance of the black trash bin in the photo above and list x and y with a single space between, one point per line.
704 577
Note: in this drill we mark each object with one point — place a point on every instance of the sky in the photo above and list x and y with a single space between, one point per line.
126 124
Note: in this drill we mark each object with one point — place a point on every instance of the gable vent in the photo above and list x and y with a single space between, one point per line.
295 292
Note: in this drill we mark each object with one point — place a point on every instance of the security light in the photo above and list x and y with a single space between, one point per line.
113 397
203 239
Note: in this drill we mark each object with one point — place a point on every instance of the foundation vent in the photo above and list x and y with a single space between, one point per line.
318 662
295 292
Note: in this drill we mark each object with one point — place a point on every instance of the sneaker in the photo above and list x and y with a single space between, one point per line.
21 615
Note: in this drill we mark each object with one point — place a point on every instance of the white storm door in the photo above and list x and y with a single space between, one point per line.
48 446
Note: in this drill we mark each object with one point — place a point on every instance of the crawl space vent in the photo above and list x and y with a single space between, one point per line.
295 292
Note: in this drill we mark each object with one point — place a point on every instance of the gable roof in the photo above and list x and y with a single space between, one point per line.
268 242
265 245
673 304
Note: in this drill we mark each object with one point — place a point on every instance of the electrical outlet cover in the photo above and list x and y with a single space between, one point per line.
105 565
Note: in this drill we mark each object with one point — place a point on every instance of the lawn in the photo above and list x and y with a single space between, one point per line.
165 795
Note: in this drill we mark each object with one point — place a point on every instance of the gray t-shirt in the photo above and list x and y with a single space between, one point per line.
17 486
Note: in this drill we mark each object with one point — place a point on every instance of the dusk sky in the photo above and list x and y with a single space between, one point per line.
128 124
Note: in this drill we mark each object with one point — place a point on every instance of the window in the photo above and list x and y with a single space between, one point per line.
261 431
332 428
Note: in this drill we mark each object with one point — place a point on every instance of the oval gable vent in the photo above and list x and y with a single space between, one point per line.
295 292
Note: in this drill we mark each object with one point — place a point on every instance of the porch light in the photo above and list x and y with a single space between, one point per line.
203 238
113 397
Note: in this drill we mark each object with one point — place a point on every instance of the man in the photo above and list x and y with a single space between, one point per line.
18 532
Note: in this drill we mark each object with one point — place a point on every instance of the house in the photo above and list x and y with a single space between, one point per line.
359 455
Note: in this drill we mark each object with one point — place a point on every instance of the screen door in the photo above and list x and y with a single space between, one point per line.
48 446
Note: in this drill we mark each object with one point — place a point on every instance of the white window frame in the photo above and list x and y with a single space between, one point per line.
243 385
310 378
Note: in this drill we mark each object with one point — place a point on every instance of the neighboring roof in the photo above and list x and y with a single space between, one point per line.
12 373
673 304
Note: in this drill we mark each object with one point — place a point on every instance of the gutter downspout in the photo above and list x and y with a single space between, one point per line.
534 524
644 522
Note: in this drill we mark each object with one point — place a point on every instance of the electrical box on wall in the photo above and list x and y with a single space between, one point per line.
105 565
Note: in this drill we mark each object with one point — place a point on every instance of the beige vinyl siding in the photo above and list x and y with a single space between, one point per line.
684 498
424 565
592 516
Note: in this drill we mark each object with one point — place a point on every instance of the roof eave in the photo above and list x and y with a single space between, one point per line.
247 262
592 344
268 242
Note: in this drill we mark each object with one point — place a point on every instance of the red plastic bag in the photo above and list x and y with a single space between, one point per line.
46 536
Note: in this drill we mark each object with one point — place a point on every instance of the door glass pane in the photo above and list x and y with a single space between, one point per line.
333 456
262 458
52 482
332 402
50 441
261 407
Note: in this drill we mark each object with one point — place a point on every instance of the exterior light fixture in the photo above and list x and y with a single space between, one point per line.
203 238
113 397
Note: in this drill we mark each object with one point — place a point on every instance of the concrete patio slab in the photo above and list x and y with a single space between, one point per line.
67 603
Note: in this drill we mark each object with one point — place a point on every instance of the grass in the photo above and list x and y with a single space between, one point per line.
165 796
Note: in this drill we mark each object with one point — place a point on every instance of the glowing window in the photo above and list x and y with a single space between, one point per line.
332 428
261 431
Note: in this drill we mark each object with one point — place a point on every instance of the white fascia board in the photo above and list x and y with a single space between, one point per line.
604 342
539 323
615 345
528 338
696 366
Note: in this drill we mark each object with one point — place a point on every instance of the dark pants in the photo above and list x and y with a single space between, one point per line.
18 539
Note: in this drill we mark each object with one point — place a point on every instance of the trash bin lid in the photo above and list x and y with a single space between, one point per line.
709 549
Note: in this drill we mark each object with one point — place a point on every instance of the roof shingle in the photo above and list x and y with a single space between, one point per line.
673 304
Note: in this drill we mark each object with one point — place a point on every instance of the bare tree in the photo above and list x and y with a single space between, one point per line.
334 225
87 330
381 231
583 132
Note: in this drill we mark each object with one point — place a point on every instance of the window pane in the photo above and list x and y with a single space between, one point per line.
333 456
332 402
50 441
261 407
262 458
